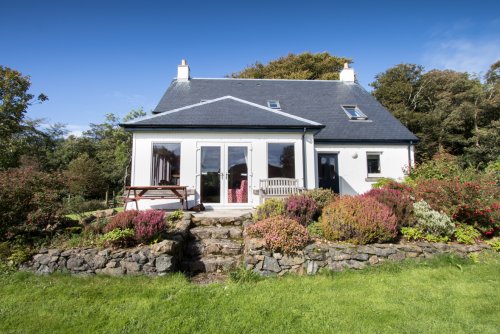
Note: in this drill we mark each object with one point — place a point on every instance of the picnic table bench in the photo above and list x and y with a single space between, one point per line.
136 193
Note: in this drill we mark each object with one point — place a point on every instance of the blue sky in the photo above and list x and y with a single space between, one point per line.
97 57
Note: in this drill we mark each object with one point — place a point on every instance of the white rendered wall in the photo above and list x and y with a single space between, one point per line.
352 162
190 142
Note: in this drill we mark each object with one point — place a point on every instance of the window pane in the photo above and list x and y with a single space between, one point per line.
166 164
373 163
281 160
352 111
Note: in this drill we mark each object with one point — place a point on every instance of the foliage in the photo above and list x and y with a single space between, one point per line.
473 203
466 234
447 110
307 66
148 224
432 222
85 177
280 233
30 200
175 216
412 233
15 130
78 205
400 203
243 275
359 220
315 230
122 220
302 208
382 182
270 208
119 237
321 197
494 243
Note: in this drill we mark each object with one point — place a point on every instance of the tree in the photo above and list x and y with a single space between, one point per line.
85 177
14 103
307 66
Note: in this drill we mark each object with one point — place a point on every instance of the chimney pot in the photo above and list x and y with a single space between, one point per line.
347 74
183 71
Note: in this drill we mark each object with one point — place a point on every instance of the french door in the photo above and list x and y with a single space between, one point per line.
224 171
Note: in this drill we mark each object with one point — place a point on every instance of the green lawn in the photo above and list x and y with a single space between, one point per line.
445 295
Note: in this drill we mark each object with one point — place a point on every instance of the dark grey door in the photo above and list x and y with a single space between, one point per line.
328 171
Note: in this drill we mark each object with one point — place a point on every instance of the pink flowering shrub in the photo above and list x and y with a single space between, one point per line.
280 233
302 208
358 219
148 224
400 202
122 220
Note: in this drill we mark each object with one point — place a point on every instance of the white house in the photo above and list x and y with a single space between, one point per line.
222 136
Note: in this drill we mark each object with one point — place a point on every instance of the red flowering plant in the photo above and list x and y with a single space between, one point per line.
399 201
148 224
122 220
280 233
302 208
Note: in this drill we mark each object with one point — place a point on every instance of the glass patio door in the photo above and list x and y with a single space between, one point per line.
224 174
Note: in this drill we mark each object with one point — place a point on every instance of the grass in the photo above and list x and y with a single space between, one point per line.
78 216
443 295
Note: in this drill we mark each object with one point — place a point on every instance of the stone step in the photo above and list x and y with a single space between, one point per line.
213 247
216 221
211 263
216 232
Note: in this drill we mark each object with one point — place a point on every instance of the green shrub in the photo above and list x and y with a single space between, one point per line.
382 182
412 233
321 197
466 234
270 208
315 230
358 219
78 205
119 237
431 222
175 216
494 243
281 234
400 202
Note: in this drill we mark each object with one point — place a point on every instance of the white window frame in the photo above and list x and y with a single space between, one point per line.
361 115
379 164
151 160
277 102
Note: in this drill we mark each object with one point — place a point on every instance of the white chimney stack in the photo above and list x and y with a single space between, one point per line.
347 74
183 71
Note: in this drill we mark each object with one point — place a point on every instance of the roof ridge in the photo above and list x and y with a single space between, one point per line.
253 79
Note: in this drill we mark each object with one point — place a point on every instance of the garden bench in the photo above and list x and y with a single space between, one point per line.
278 187
136 193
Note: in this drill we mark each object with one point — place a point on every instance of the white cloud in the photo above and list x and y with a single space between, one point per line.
465 55
76 130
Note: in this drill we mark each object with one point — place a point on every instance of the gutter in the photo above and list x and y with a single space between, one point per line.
409 156
304 164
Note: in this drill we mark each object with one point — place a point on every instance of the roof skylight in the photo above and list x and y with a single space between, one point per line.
354 112
273 104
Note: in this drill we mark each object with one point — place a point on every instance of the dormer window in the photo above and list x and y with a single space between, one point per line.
354 112
274 104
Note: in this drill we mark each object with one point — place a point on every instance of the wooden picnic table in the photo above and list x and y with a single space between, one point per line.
136 193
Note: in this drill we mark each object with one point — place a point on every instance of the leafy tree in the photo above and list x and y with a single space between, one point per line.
85 177
307 66
14 103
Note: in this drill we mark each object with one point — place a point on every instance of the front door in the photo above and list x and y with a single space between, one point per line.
224 174
328 171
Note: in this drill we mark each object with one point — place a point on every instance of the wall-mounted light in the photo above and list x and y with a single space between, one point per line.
355 155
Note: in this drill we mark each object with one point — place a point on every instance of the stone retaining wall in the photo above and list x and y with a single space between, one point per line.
337 257
157 259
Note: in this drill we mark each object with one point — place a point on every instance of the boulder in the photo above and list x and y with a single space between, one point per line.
165 247
271 264
164 263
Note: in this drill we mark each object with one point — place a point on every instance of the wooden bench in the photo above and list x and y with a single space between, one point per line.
278 187
136 193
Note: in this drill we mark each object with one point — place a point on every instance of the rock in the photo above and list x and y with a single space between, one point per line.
98 262
271 264
104 213
383 252
289 260
43 250
360 257
312 267
54 252
397 256
43 258
113 264
373 259
259 265
165 247
67 253
353 264
76 264
104 252
164 263
278 256
412 254
111 271
131 267
337 265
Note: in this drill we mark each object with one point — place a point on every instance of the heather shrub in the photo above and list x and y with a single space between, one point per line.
315 230
321 197
472 203
382 182
466 234
400 203
432 222
302 208
281 234
30 200
270 208
358 219
119 237
122 220
148 224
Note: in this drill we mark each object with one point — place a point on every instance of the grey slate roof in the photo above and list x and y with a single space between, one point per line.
316 100
224 112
